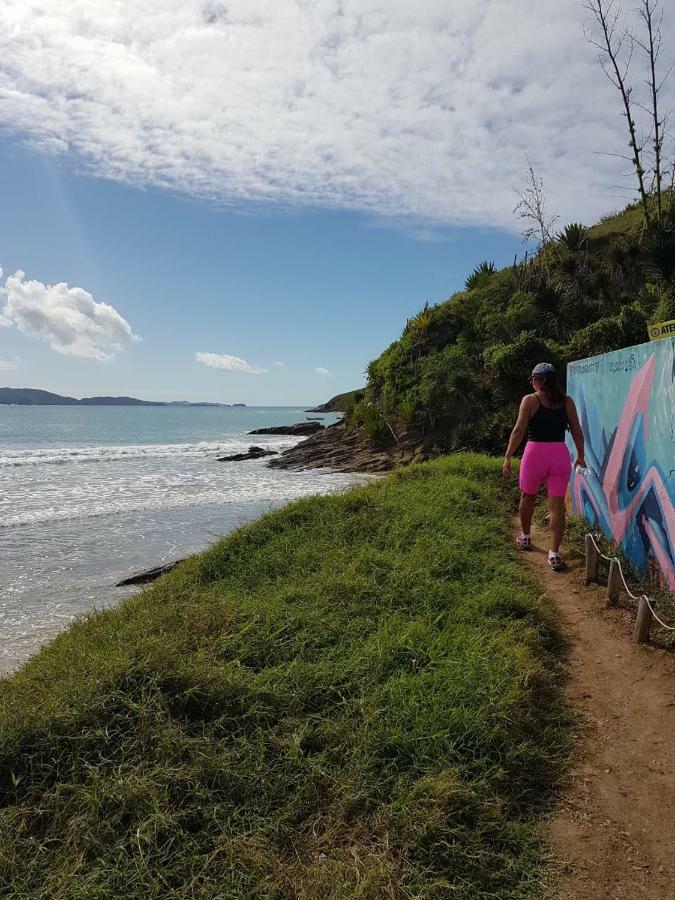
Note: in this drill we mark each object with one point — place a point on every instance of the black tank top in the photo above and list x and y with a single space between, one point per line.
547 424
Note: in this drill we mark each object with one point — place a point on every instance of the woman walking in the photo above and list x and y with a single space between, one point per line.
544 416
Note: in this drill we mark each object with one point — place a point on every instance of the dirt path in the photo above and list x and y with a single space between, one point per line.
616 821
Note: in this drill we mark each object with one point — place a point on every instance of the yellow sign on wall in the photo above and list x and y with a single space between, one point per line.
661 330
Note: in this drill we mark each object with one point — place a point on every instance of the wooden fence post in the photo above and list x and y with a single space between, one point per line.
613 582
643 622
591 560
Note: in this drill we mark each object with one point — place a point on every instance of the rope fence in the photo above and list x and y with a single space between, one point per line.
645 604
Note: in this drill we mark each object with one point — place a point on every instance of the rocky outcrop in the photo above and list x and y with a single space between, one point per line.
149 575
300 428
252 453
345 450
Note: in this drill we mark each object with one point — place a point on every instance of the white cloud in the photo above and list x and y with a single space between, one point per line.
321 371
4 321
280 364
425 110
66 318
228 363
7 365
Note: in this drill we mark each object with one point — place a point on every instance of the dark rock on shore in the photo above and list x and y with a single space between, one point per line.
299 428
149 575
345 450
252 453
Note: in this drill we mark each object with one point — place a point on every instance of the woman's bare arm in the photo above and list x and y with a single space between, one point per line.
575 429
524 415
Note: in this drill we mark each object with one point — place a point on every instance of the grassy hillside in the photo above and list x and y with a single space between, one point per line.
460 367
340 402
354 697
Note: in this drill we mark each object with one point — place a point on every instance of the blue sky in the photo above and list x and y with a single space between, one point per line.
244 201
308 288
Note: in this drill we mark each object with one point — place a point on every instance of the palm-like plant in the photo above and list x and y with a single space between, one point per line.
573 236
421 322
480 275
419 327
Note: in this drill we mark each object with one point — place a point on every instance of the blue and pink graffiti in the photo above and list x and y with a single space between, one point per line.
624 494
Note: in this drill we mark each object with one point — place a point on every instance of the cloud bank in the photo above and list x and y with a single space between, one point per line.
66 318
228 363
422 110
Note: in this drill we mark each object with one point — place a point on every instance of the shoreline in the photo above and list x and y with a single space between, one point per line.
342 449
42 598
86 564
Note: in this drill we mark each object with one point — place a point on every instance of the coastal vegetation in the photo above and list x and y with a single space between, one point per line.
356 696
456 374
340 402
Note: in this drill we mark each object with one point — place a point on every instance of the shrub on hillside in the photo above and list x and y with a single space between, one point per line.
480 275
507 366
666 308
368 418
573 236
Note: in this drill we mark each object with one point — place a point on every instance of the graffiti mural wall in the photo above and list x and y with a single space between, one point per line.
625 401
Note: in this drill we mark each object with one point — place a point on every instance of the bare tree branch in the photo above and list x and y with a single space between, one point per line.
616 66
531 207
651 14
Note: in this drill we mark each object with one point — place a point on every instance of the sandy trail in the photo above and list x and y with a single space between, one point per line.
616 820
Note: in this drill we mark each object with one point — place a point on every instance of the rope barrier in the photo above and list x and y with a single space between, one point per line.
660 621
647 600
600 553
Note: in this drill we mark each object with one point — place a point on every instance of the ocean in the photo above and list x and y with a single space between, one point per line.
91 495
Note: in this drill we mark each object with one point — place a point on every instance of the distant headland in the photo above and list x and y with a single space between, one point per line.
36 397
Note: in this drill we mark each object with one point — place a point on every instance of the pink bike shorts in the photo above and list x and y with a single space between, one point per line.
547 461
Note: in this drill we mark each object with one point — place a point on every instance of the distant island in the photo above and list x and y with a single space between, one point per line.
36 397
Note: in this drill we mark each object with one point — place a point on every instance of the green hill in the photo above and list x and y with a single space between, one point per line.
34 397
340 402
356 696
37 397
457 372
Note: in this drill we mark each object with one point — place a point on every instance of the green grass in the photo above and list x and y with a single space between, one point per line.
627 221
355 697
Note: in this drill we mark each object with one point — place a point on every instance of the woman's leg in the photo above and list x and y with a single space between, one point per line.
527 502
532 473
557 482
557 521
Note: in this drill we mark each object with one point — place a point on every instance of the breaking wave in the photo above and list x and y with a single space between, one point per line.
135 452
